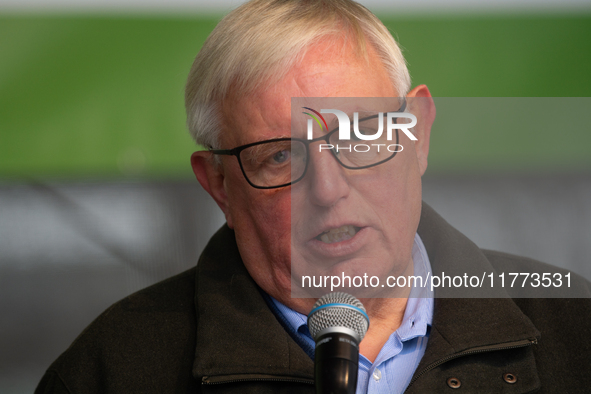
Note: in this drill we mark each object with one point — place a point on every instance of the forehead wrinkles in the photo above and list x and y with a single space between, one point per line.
325 71
338 69
263 114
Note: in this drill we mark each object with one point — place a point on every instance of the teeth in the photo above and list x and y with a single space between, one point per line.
338 234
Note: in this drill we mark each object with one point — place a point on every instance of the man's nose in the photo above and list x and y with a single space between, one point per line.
327 179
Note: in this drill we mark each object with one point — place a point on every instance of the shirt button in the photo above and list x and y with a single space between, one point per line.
377 375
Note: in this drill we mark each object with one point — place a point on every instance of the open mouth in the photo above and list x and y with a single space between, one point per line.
340 234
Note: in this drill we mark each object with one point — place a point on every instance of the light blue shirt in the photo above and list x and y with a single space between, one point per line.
394 366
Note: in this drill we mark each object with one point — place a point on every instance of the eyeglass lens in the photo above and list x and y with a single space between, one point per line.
275 163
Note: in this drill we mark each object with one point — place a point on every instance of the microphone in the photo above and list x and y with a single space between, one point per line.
337 322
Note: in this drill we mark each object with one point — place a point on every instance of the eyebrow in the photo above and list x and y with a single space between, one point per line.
363 114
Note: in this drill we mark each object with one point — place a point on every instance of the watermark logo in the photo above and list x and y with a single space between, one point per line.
310 124
345 124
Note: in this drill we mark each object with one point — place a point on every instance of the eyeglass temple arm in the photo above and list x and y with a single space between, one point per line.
230 152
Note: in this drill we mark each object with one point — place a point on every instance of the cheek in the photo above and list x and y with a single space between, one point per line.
262 228
272 212
235 193
409 192
394 190
261 217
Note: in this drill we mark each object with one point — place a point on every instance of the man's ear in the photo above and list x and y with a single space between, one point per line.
211 177
422 106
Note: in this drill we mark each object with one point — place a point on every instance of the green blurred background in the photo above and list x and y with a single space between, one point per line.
97 198
101 97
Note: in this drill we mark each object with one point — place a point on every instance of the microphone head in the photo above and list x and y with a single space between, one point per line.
338 312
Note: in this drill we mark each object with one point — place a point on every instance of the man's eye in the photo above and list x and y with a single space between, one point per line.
364 131
281 156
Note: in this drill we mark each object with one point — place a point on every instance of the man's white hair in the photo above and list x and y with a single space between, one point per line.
257 43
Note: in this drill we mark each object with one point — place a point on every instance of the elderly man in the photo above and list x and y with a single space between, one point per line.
232 324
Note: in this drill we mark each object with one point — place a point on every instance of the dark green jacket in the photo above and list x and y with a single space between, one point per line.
209 330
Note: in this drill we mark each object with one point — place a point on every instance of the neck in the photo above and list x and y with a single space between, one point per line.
385 316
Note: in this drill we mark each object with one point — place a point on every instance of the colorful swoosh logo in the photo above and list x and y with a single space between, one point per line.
316 119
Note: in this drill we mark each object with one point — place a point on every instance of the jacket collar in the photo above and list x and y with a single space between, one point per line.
464 324
238 336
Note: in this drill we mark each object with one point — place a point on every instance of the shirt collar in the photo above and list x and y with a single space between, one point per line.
418 314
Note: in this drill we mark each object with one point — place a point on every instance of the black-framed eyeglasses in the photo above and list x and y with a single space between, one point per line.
282 162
